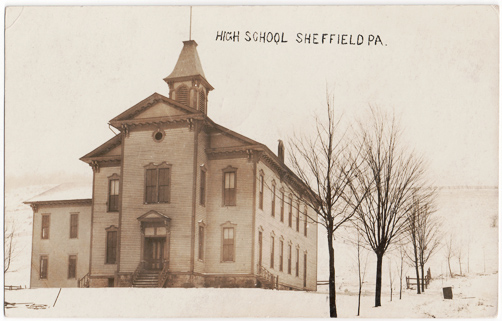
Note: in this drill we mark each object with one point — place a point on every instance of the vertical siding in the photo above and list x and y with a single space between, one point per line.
140 149
101 220
265 220
59 245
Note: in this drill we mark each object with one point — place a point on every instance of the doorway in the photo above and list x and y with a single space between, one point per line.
153 253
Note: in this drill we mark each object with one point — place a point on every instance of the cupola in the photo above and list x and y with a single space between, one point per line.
187 83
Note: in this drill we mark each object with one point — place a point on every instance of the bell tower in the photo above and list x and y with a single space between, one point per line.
187 82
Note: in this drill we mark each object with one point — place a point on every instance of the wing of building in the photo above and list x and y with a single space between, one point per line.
179 201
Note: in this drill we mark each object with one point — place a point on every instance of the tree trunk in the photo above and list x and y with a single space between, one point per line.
449 267
423 277
378 287
401 279
416 265
332 288
390 282
460 264
359 271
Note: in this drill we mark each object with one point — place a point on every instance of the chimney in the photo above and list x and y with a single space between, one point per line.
280 151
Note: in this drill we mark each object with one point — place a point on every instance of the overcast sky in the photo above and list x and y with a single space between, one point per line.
69 70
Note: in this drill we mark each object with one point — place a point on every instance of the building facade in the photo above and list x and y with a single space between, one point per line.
180 201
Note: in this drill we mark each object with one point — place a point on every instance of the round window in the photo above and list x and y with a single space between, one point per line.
158 135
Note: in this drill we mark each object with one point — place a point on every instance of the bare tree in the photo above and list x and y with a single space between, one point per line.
361 271
391 278
449 252
458 254
391 175
428 233
328 164
412 229
10 250
402 253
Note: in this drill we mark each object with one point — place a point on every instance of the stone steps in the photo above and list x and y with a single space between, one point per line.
147 279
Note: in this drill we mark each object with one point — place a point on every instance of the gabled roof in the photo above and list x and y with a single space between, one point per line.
103 149
231 133
153 215
147 103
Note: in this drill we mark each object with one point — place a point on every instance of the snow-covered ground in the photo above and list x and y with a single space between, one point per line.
468 214
472 298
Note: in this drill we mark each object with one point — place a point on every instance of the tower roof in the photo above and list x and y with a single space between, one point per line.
188 64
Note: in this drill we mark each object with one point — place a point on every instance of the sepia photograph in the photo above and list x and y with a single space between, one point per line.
251 161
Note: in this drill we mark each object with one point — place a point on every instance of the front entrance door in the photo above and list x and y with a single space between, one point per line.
154 253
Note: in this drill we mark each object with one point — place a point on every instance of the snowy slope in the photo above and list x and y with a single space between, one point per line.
467 213
472 298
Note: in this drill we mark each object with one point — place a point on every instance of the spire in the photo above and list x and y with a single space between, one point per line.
187 82
188 64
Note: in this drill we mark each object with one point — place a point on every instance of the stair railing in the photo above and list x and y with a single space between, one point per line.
84 281
264 274
138 271
163 274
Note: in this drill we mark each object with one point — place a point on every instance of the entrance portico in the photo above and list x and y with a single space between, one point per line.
155 240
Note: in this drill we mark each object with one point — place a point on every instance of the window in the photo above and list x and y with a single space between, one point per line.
281 255
297 264
158 184
290 213
298 217
273 199
261 192
44 267
229 186
46 223
202 187
260 247
72 267
113 195
305 222
111 247
182 94
73 225
272 250
164 185
282 206
289 258
228 244
201 242
202 102
158 135
305 270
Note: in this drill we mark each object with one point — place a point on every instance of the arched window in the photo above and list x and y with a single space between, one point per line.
182 94
202 101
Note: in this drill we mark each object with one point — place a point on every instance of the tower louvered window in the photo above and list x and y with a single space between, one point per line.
182 94
202 102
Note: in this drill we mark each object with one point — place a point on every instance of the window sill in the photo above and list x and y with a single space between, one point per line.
153 203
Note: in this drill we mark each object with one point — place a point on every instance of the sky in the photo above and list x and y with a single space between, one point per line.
69 70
